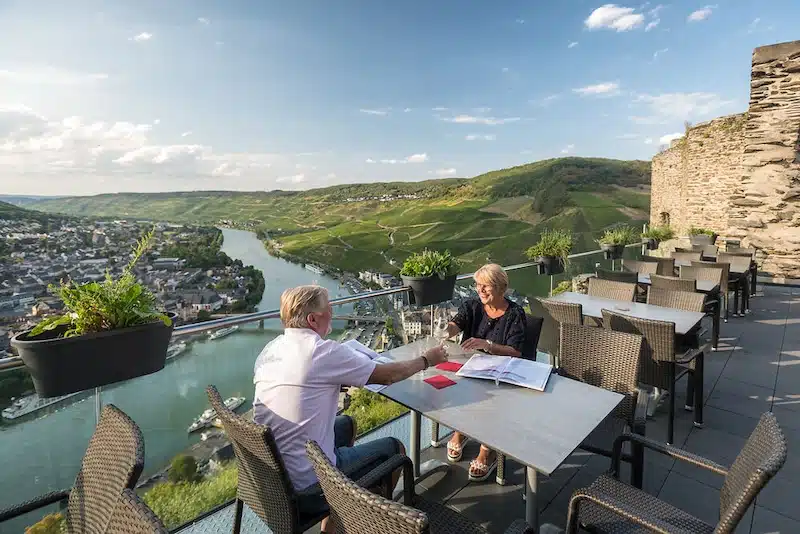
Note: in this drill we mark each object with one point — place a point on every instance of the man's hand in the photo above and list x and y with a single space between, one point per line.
474 343
436 355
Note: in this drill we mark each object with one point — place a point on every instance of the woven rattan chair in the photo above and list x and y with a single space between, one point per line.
687 256
611 506
609 360
355 510
693 248
666 266
548 338
672 283
132 516
609 289
643 267
713 300
263 482
113 462
556 313
618 276
751 252
563 312
739 280
659 365
724 283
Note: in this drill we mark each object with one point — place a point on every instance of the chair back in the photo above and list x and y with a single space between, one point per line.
740 251
609 289
702 239
762 457
724 267
644 267
563 312
548 338
687 256
658 345
263 482
702 272
605 359
618 276
739 264
672 283
355 509
113 462
710 251
132 516
680 300
533 330
693 248
666 266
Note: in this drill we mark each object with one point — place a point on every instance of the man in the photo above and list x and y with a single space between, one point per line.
298 377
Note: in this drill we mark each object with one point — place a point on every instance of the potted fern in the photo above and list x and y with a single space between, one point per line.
111 332
654 235
552 251
431 275
613 241
701 236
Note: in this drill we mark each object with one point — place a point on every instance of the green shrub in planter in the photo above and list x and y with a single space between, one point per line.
111 332
614 240
702 236
552 251
657 234
431 275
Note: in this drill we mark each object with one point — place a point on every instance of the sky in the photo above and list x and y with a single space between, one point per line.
101 97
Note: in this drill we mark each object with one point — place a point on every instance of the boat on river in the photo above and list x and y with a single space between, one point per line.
222 332
176 349
205 419
31 404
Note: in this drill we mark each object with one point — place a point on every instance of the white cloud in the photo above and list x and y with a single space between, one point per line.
219 43
667 139
480 137
753 25
573 44
295 179
407 110
659 52
157 121
186 134
648 141
414 158
472 119
144 36
47 75
652 25
701 14
381 112
546 101
445 172
668 107
628 136
520 21
568 149
417 158
656 10
504 69
614 17
330 176
605 89
204 21
370 160
439 108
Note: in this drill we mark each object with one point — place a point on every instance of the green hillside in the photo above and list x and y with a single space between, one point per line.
15 213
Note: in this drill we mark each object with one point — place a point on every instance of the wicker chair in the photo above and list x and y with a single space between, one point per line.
609 289
693 248
659 365
618 276
751 252
132 516
548 338
672 283
556 313
687 256
355 510
724 283
738 279
609 505
713 301
643 267
681 300
113 462
263 482
666 266
609 360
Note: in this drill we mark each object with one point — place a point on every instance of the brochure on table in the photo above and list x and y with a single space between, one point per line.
372 355
516 371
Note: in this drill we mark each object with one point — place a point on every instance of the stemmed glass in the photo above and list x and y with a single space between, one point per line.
440 324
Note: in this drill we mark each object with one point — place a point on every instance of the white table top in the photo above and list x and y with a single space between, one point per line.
704 286
682 263
593 306
538 429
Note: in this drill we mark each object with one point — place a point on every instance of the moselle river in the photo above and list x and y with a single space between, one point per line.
44 454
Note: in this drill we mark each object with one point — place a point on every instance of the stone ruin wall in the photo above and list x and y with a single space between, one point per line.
740 175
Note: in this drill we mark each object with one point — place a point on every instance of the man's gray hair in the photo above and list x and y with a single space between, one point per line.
298 302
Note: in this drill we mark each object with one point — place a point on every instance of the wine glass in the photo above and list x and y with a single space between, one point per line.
440 324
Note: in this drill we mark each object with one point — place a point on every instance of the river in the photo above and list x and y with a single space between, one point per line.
44 454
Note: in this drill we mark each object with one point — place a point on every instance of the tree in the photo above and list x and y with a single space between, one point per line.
203 315
183 469
49 524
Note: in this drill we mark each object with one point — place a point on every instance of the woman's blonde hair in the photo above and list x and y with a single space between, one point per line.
494 275
298 302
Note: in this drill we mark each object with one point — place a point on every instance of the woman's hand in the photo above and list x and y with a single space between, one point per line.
474 343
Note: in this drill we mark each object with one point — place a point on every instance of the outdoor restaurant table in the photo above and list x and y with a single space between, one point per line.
703 286
538 429
681 263
684 321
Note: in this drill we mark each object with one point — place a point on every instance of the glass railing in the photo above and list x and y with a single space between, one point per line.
42 451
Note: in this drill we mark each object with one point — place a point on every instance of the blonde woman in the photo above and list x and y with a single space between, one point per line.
493 324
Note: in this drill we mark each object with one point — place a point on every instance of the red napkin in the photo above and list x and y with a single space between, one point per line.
450 366
440 381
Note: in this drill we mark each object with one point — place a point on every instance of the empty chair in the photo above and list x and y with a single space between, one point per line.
710 251
618 276
563 312
666 266
672 283
724 283
132 516
610 289
643 267
693 248
740 251
598 506
738 279
113 462
680 300
533 330
608 360
713 300
355 510
687 257
548 338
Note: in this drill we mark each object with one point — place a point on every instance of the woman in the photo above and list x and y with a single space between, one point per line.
492 324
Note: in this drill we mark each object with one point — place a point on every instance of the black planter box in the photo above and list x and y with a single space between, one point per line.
550 265
612 252
652 244
60 366
429 290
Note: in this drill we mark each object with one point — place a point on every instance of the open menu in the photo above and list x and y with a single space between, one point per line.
372 355
516 371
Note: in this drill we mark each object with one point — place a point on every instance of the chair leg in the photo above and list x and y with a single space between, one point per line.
715 328
724 303
637 465
699 364
501 470
435 434
736 299
745 294
690 392
671 422
237 518
754 277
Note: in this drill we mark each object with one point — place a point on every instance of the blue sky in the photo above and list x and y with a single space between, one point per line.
190 94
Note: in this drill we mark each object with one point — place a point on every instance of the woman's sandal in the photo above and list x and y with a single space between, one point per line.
455 452
479 471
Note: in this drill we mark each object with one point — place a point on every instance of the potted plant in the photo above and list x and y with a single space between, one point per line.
613 241
111 332
431 275
552 251
654 235
697 236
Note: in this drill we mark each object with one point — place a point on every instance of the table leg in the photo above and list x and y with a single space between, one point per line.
531 502
421 470
414 440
